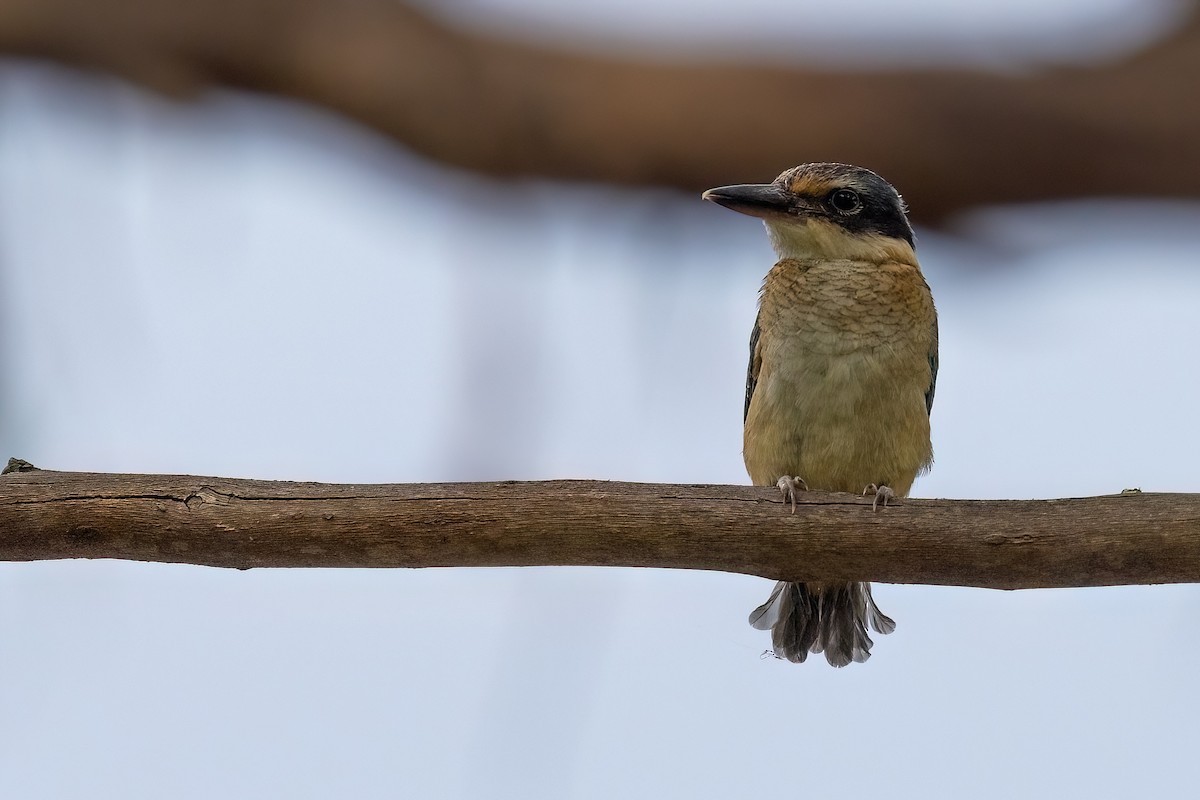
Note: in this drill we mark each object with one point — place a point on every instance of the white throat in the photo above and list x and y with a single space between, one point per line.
811 238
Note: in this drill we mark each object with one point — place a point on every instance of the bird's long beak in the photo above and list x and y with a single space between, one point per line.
755 199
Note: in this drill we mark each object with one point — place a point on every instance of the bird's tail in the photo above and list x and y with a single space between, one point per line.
814 618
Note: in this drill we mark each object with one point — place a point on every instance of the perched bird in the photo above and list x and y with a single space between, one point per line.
843 361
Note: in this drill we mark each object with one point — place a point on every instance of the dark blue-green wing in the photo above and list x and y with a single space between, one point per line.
933 369
752 369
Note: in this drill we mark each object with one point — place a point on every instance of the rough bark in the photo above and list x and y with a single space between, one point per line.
1122 539
949 138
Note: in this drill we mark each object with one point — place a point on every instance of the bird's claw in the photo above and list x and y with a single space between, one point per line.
882 492
789 485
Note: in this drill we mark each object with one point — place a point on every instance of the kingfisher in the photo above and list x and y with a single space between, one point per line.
843 364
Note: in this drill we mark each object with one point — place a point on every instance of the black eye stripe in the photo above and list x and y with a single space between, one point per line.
880 210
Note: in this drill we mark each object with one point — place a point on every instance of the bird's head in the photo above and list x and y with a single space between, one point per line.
827 211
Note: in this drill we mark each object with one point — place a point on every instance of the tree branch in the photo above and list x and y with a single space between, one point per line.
949 138
1003 544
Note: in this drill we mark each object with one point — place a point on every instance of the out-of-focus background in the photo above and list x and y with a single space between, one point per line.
243 285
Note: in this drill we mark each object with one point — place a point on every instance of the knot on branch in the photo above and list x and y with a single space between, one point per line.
18 465
206 495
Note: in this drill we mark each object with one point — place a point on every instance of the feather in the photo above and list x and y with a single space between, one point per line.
752 368
766 616
831 619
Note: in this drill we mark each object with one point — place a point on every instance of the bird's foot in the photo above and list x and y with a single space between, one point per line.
882 493
789 485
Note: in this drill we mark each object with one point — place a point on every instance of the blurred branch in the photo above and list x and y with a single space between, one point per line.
948 138
1122 539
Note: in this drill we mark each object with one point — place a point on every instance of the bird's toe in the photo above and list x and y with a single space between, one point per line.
882 494
788 486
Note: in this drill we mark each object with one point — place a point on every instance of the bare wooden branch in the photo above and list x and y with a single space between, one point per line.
949 138
1008 544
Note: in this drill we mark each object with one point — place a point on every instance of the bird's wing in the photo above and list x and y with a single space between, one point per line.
933 368
752 369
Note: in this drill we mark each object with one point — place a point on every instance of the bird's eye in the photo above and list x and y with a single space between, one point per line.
845 201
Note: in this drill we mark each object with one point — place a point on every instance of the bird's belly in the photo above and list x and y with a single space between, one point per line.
840 421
